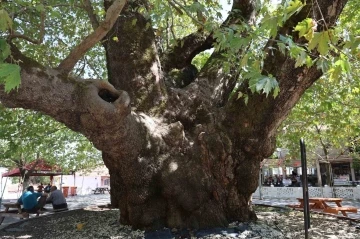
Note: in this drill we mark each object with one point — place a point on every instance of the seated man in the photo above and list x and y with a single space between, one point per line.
40 188
56 198
29 200
47 188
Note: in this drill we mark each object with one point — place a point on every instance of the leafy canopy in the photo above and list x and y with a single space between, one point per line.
56 28
26 136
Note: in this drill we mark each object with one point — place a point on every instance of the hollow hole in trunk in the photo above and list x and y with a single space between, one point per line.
107 95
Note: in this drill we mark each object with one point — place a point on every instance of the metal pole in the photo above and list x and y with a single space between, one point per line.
305 188
260 184
61 181
1 190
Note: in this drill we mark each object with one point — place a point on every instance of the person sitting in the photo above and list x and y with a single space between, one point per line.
47 188
29 200
56 198
40 188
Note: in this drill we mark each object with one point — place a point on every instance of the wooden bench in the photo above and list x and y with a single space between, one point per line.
14 214
57 210
343 210
100 190
299 205
294 206
18 213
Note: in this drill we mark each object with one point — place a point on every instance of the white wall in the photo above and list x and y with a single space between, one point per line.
84 184
296 192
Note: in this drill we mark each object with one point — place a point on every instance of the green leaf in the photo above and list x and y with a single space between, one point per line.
276 91
282 47
40 8
305 28
10 75
244 60
323 47
271 23
265 84
335 73
5 21
246 99
301 59
321 41
294 6
134 21
314 41
343 62
309 61
4 50
323 65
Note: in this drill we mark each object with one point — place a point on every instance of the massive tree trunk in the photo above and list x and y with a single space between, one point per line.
183 155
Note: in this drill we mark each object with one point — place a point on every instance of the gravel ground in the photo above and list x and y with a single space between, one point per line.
95 222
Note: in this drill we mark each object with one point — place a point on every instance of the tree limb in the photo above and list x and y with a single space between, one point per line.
187 13
292 81
92 107
84 106
176 7
90 11
79 51
185 50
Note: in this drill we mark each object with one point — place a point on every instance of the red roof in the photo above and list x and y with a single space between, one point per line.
39 168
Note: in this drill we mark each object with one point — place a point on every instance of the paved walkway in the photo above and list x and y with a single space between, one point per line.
74 202
78 202
280 202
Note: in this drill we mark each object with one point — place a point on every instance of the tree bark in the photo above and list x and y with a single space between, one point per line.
178 157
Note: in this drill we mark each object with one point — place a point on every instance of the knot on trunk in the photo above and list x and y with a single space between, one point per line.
120 99
108 96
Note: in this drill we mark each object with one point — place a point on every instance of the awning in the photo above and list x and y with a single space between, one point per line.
39 168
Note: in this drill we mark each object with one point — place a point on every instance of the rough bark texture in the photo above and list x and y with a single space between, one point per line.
178 157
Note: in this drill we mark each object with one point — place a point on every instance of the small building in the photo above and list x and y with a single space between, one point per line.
345 170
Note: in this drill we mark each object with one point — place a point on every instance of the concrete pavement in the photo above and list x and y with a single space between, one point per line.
280 202
78 202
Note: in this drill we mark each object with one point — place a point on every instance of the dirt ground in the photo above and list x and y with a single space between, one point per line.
97 222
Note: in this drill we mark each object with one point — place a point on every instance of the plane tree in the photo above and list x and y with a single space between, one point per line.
183 145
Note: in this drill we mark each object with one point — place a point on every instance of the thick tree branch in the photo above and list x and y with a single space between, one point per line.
185 50
212 77
132 60
79 51
91 107
292 81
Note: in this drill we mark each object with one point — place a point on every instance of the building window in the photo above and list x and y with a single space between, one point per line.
107 182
